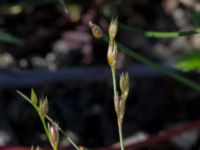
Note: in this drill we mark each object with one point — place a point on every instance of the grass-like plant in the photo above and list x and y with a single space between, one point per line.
51 128
40 104
119 98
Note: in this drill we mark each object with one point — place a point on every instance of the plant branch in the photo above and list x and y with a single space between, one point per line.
49 119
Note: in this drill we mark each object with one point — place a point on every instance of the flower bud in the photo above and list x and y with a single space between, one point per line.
96 30
112 54
53 134
44 107
113 28
124 85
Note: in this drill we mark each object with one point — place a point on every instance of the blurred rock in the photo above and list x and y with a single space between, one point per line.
6 60
73 48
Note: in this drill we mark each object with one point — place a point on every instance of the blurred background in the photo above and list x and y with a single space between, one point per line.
44 48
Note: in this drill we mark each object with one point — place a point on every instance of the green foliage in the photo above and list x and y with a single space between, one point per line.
189 62
195 16
8 38
25 3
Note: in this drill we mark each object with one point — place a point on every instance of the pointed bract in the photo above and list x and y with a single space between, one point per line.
34 98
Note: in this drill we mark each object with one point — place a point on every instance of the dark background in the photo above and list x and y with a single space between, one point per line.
58 57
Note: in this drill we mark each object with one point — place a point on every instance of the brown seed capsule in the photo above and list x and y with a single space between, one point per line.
119 108
96 30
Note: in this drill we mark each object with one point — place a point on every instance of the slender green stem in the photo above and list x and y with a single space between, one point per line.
162 69
121 136
157 34
45 128
114 81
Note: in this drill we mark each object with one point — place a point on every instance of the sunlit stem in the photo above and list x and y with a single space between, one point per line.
121 136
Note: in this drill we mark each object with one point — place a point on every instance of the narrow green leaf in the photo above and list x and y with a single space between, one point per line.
34 98
157 34
189 62
24 96
154 65
8 38
28 100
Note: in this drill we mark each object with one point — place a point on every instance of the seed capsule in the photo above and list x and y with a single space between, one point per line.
53 134
113 28
44 107
112 54
124 85
119 108
96 30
